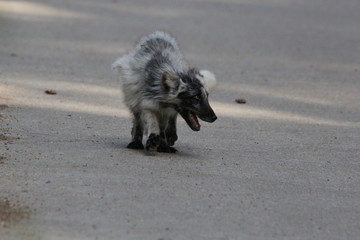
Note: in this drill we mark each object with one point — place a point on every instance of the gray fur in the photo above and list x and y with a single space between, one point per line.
158 84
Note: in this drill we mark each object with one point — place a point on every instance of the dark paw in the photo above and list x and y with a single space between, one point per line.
171 138
166 149
135 145
153 142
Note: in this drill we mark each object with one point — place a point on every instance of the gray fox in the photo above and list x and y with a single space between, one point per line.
158 84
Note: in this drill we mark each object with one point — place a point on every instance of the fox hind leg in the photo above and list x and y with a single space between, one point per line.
137 133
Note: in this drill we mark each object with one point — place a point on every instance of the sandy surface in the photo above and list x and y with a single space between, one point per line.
285 165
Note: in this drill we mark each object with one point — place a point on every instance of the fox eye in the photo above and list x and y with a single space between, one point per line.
197 97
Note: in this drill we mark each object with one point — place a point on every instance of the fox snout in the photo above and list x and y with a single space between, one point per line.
203 111
210 119
208 116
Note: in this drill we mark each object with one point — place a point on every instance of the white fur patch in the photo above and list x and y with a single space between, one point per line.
209 79
117 64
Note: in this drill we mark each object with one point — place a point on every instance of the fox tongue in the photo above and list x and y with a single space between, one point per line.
191 119
194 121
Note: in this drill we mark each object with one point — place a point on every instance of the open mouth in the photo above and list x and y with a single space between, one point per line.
191 119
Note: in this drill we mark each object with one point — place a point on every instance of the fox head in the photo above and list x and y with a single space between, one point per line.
191 92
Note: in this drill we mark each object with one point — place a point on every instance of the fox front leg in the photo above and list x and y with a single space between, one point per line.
164 146
152 128
137 133
167 134
170 131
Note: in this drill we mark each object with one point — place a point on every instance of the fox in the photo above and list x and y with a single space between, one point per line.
158 85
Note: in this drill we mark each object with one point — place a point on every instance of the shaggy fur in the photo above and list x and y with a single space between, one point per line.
157 85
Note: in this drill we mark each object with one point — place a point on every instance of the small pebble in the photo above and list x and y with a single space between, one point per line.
51 92
240 100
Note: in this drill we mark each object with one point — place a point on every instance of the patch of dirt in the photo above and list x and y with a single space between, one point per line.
8 139
3 106
11 214
3 137
2 159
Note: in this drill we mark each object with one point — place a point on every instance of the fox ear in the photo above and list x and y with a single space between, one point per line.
168 81
209 79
